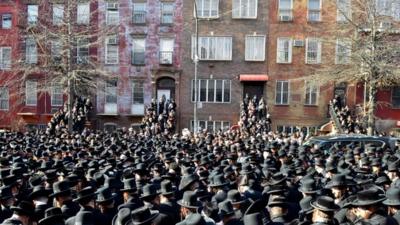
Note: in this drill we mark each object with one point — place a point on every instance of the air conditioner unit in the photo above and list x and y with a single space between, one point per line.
112 40
285 18
298 43
112 5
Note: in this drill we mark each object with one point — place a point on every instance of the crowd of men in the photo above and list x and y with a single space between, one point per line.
160 117
80 112
237 177
349 121
254 116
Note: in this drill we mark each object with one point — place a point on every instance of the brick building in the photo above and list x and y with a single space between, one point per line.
232 59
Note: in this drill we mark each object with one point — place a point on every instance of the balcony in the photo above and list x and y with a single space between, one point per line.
166 57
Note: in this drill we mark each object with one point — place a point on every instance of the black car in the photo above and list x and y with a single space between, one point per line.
326 142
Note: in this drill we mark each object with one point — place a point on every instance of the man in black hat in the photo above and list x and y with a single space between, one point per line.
189 204
324 211
6 201
106 203
227 214
130 195
53 216
393 203
168 204
278 210
63 199
40 198
22 214
218 186
239 203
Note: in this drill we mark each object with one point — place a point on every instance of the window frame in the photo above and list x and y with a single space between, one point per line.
342 17
137 12
311 86
263 48
31 45
53 94
200 8
289 10
35 16
135 50
31 94
207 91
162 12
57 20
169 54
107 92
395 106
79 49
3 65
5 99
81 13
116 45
348 51
240 16
134 92
319 12
290 47
208 50
111 12
318 59
282 92
9 22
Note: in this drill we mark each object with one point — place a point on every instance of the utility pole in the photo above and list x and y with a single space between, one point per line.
69 68
196 63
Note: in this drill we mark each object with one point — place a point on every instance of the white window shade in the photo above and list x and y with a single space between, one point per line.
5 58
284 50
58 14
31 93
207 8
313 51
245 9
255 48
83 13
213 48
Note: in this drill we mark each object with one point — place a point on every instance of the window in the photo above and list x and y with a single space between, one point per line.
284 50
82 51
343 10
396 10
58 14
56 95
112 50
4 98
384 7
211 126
313 51
167 13
5 58
282 92
207 8
311 93
396 97
83 13
138 51
111 92
6 21
212 91
56 49
255 48
343 51
285 10
314 10
137 92
112 15
31 51
166 50
33 12
31 93
213 48
244 9
139 13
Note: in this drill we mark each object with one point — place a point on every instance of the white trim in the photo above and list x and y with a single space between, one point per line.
200 8
291 9
288 92
5 99
320 12
290 45
318 60
311 85
239 9
28 93
226 56
256 47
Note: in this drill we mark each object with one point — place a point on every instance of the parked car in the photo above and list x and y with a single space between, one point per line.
326 142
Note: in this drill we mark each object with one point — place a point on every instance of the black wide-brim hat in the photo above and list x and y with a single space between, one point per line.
52 220
41 192
79 198
24 207
188 205
368 197
325 204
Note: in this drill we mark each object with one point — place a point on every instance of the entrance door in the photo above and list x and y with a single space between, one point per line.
340 90
162 93
253 88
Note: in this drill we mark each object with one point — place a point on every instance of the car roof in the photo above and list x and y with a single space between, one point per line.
348 137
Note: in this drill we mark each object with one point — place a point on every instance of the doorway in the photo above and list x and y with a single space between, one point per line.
253 89
341 90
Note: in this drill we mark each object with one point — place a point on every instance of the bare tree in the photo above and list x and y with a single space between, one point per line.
59 48
367 48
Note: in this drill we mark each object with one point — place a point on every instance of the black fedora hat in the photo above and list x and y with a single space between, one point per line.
25 208
253 219
142 215
5 193
189 200
235 197
61 188
195 219
39 191
167 188
85 194
339 180
123 217
218 181
392 197
308 186
187 180
84 218
305 205
325 203
148 191
225 209
371 196
277 178
52 216
129 185
104 195
277 200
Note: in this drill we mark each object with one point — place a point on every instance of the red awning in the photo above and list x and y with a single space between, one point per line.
253 77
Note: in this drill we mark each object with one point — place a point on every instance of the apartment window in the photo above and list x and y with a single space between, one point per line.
311 93
343 51
396 10
56 95
166 50
244 9
111 92
313 51
137 92
285 10
56 49
31 93
33 12
6 21
282 92
5 58
212 91
343 10
255 48
167 13
4 98
207 8
139 13
112 15
396 97
384 7
58 14
211 126
82 51
284 50
314 10
138 51
213 48
83 13
31 50
112 50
